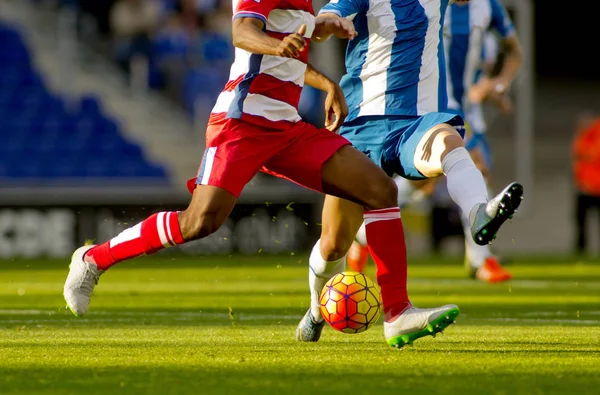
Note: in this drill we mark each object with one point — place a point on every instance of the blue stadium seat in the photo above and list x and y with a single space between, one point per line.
4 169
202 82
71 165
90 105
41 139
216 48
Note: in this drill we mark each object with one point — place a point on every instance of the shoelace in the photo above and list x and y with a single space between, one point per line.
89 280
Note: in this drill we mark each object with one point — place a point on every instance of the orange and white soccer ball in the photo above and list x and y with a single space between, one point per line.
351 302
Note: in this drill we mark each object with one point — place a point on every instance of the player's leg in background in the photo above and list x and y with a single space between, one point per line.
441 150
581 209
328 256
362 192
480 262
351 175
340 220
357 190
324 161
327 162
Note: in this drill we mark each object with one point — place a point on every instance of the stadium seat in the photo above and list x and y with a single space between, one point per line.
42 140
202 83
217 49
90 105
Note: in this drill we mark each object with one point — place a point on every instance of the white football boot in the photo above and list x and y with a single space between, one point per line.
81 281
309 330
415 323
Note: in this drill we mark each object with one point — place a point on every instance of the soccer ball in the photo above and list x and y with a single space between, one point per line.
350 302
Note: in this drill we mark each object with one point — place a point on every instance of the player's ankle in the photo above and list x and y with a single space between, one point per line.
87 258
317 317
396 311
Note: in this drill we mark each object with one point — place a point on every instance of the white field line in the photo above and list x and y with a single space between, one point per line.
537 284
38 322
557 313
423 282
136 315
542 321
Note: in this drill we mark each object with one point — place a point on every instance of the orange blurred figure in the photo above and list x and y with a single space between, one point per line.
492 272
586 169
358 257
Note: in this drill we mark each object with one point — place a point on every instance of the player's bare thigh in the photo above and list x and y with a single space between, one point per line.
435 144
350 174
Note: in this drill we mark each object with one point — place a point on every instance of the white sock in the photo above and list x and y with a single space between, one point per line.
320 271
474 253
406 190
361 236
465 182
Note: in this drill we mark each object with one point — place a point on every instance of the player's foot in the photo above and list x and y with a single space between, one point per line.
415 323
81 281
357 257
309 330
490 272
486 219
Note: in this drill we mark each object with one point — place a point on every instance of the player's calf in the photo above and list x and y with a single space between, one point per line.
196 226
350 175
337 233
328 257
208 210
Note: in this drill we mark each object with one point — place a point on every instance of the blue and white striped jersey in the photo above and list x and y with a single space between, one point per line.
465 28
396 65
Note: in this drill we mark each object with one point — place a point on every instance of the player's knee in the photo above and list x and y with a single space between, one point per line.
198 226
334 247
451 141
385 195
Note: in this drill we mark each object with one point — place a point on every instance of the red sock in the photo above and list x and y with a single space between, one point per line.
149 236
385 236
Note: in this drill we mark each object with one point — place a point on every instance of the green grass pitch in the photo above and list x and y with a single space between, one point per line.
224 325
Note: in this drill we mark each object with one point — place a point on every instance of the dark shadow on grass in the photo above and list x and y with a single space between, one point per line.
119 318
359 346
239 374
505 351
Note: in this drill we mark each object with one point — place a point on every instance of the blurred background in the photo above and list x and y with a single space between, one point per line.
103 106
